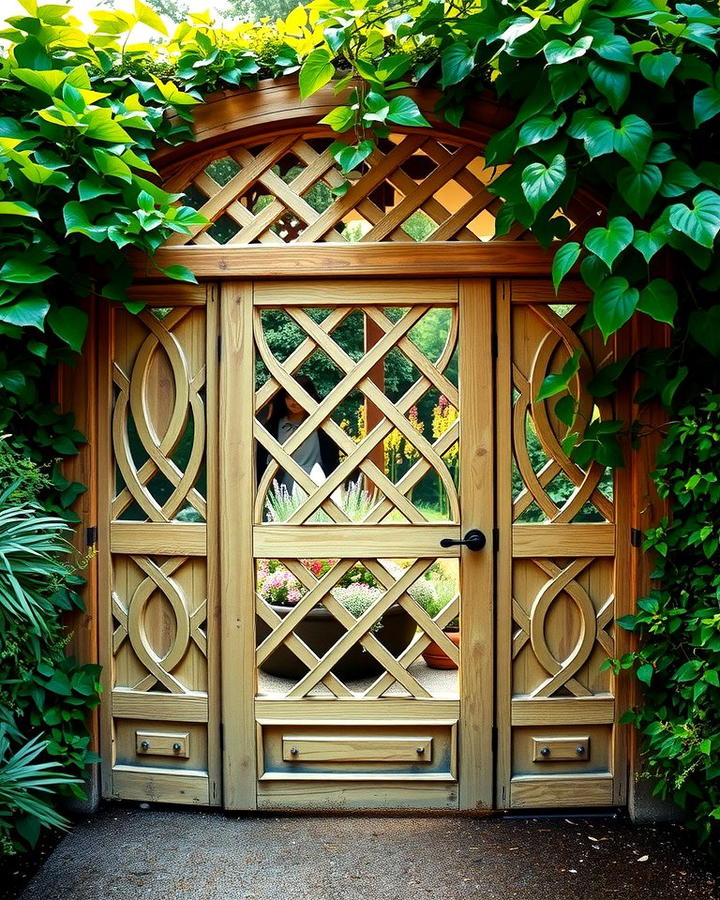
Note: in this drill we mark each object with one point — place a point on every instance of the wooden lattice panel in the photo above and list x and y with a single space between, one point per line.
412 188
384 324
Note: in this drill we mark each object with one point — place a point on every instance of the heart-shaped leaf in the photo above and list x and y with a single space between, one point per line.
658 67
659 300
632 140
613 304
705 328
639 188
612 80
540 128
608 243
565 258
702 222
706 105
317 69
540 182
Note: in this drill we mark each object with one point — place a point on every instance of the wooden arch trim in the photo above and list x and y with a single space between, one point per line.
274 109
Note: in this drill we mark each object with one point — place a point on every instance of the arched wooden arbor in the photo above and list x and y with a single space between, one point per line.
190 713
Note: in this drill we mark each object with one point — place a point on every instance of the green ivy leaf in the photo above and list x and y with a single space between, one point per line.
645 673
26 313
632 140
612 80
317 69
566 81
540 182
613 47
705 328
565 410
659 300
179 273
608 243
48 82
649 242
613 304
404 111
70 324
539 128
658 67
456 63
22 271
706 105
349 157
702 222
678 179
556 383
558 52
339 119
638 189
564 259
17 208
688 671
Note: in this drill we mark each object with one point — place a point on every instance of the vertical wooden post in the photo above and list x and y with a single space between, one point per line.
503 518
476 569
647 508
77 393
237 577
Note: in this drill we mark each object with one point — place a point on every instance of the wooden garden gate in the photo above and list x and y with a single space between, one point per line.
429 378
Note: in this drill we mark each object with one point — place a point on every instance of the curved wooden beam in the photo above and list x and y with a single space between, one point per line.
274 107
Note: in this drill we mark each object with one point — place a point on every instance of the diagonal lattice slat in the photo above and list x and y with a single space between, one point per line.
412 187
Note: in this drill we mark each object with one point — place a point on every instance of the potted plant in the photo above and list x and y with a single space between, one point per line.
320 630
434 594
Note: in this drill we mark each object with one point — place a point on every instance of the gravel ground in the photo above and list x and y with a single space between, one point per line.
126 852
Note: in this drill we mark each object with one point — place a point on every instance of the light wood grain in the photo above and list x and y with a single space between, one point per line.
359 795
534 791
354 541
177 538
438 292
358 748
159 707
161 785
393 260
237 573
476 378
563 711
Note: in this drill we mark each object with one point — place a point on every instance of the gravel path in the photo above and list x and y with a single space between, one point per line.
160 853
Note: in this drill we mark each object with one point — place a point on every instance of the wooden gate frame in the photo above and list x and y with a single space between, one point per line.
274 108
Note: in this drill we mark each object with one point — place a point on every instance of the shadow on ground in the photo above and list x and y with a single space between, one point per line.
126 852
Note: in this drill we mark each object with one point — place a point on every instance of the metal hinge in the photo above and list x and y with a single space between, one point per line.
91 536
219 347
496 539
636 537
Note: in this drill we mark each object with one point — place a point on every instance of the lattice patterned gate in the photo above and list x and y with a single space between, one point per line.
277 591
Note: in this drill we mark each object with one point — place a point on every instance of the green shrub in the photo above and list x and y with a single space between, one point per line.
44 694
679 622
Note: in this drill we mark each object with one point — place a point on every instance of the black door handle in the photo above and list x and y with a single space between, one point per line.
473 540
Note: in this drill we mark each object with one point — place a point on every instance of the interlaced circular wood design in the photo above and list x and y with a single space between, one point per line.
158 423
563 598
412 188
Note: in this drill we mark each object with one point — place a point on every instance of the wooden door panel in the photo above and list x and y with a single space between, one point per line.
158 580
363 334
557 567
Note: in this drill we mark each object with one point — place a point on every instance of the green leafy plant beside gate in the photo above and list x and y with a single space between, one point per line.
44 694
617 96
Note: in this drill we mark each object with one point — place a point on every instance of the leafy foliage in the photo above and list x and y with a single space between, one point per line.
679 658
44 694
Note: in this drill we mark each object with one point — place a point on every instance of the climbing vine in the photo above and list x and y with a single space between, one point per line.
620 97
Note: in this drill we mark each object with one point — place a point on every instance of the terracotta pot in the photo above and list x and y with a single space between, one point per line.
436 657
320 631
